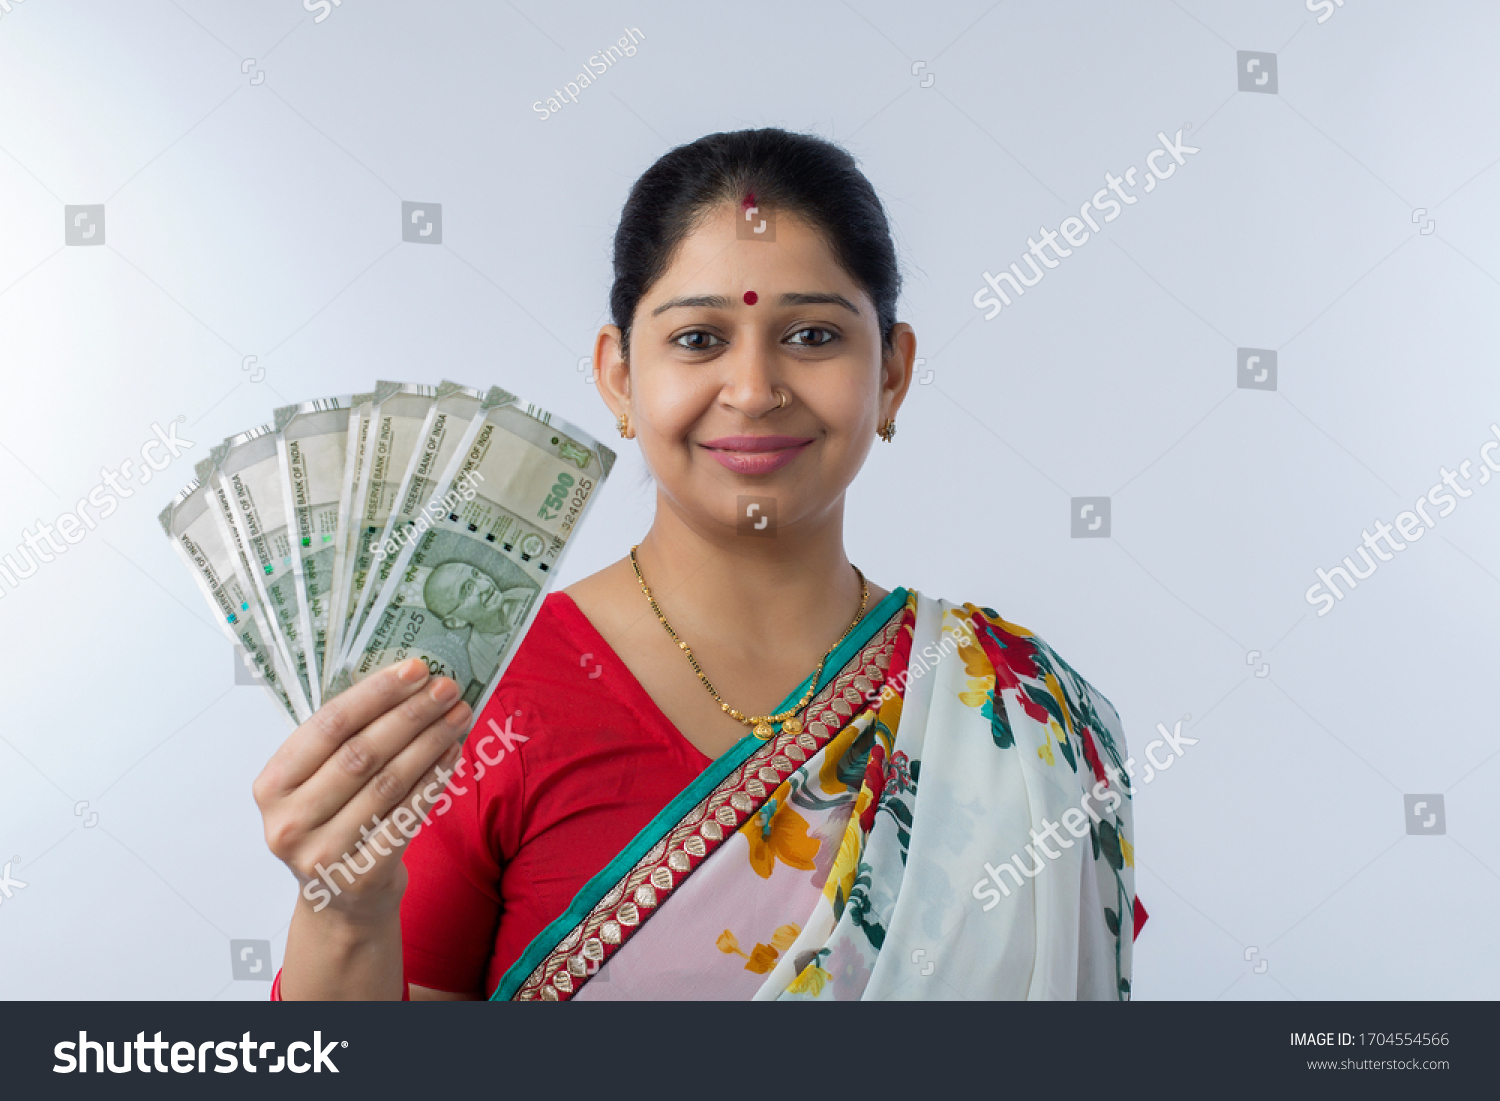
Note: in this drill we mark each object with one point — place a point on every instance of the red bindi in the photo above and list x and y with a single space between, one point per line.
751 298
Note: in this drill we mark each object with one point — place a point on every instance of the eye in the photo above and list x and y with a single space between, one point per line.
827 333
465 589
695 347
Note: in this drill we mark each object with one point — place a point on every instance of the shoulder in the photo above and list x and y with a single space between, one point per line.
551 633
1040 673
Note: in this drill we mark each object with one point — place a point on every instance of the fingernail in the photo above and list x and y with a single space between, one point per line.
444 691
412 671
459 715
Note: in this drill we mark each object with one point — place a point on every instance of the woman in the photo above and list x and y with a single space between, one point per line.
727 765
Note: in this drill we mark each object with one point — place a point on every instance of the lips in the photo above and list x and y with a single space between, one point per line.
756 454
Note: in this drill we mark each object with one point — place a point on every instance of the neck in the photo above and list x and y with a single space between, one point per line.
795 586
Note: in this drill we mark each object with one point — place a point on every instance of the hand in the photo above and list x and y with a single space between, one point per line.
377 745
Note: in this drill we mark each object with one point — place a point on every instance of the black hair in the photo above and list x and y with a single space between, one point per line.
795 174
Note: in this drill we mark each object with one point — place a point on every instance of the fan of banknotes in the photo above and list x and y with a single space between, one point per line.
355 532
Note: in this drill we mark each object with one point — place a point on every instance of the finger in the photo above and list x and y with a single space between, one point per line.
392 785
363 755
316 740
391 831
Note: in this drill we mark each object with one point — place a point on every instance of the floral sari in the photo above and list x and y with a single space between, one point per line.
945 820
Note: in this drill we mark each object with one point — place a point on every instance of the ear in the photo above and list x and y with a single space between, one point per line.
896 369
611 372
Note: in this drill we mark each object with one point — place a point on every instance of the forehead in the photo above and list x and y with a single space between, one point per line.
714 259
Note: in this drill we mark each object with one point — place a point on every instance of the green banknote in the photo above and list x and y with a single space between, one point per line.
469 572
191 522
398 421
246 471
442 431
358 430
311 443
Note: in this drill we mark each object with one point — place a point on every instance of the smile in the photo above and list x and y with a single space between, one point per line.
755 454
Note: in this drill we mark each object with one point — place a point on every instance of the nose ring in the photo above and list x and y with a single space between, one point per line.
782 402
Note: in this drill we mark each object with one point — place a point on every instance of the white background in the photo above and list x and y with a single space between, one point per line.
263 220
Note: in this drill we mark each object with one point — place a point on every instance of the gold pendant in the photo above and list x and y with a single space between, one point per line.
763 730
792 726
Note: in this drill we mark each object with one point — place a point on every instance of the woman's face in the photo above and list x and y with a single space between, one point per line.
730 324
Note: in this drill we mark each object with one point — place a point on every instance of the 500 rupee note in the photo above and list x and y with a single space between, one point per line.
190 523
470 571
398 420
246 469
311 443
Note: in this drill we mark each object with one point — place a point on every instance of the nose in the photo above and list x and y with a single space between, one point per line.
753 376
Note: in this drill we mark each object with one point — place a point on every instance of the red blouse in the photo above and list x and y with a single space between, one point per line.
569 760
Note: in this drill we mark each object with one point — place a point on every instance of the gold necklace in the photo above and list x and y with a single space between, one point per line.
760 724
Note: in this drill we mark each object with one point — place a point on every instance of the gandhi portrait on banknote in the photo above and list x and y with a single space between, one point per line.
465 596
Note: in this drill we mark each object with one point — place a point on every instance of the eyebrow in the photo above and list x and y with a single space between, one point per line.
719 302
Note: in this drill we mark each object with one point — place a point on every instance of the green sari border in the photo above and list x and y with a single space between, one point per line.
709 779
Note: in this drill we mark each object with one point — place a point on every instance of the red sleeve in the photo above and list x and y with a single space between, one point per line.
452 905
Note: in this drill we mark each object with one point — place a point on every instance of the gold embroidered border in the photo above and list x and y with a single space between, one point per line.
669 862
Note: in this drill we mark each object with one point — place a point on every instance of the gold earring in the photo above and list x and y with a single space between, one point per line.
887 431
622 422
